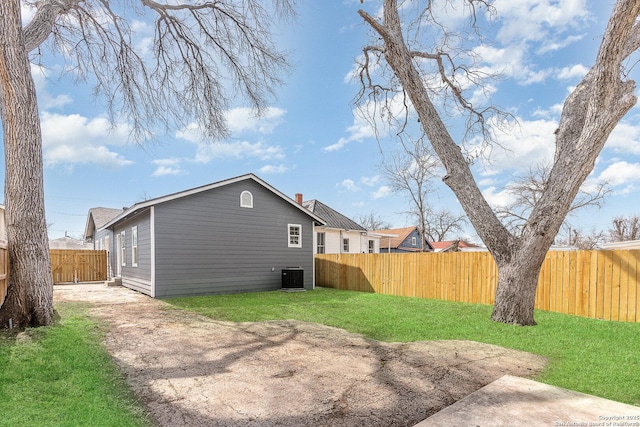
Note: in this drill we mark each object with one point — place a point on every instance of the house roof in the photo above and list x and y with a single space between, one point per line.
395 242
98 217
332 218
451 245
627 244
173 196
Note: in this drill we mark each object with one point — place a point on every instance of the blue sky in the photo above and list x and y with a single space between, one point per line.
311 139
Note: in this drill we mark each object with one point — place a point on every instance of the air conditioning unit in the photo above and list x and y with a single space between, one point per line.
293 278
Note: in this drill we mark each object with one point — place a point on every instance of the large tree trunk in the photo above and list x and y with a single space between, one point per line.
517 284
29 299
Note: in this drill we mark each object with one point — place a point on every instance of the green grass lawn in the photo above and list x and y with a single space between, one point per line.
591 356
62 376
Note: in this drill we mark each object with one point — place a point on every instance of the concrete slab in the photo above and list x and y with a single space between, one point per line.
514 401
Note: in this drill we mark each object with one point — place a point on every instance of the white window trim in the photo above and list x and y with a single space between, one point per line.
414 241
345 245
123 248
289 235
242 203
134 246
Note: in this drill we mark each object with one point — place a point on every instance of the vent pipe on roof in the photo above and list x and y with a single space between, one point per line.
299 198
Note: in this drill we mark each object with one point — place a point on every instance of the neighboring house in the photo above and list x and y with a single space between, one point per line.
627 244
340 234
406 239
101 239
96 219
69 243
456 246
236 235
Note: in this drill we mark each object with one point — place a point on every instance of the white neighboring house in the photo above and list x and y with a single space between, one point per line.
627 244
69 243
340 234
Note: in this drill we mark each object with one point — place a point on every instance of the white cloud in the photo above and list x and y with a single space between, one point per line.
574 71
45 99
539 20
497 198
166 170
486 182
625 139
272 169
349 185
553 111
621 173
239 120
244 119
381 192
540 26
338 145
168 167
206 152
370 181
362 128
522 145
559 44
69 139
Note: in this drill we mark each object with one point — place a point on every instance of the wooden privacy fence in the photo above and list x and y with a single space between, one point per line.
597 284
66 266
78 265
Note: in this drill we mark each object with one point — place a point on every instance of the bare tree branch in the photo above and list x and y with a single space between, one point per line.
205 56
527 190
625 228
371 221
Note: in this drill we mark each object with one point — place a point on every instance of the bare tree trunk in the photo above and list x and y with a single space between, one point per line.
517 284
29 299
589 115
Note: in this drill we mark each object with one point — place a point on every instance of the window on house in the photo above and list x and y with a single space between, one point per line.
414 241
372 246
246 199
295 236
123 248
134 246
345 245
320 244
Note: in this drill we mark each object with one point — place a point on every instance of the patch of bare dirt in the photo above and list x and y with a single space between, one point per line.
191 370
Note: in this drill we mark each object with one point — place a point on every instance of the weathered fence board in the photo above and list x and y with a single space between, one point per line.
601 284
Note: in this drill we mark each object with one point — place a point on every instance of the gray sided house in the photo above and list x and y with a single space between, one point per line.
235 235
95 234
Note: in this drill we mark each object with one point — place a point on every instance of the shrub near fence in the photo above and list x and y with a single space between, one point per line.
596 284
